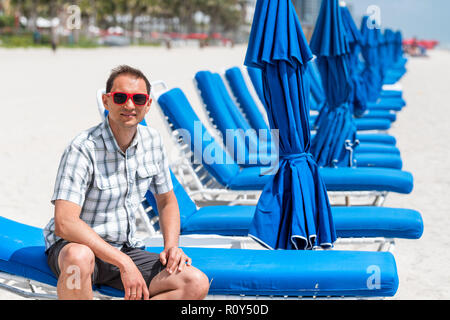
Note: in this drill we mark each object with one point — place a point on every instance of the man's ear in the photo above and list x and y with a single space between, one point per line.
104 99
148 105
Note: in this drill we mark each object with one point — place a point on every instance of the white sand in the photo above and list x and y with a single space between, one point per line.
47 99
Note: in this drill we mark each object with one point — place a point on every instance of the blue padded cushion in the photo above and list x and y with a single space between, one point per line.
226 115
185 203
391 94
217 104
221 220
234 271
381 114
364 124
377 222
337 179
389 101
383 107
374 147
350 222
385 104
376 137
250 179
378 160
394 101
367 179
244 98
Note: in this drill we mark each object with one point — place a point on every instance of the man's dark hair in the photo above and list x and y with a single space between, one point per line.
124 69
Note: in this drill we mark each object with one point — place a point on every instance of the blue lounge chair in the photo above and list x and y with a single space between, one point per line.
223 111
228 174
366 154
350 222
382 109
372 122
248 104
231 271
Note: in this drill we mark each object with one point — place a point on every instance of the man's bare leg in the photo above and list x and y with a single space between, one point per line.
76 262
190 283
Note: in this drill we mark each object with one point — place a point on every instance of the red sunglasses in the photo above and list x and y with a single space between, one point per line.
139 99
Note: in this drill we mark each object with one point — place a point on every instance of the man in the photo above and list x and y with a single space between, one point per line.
103 175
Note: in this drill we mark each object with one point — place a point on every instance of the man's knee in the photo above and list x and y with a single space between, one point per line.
76 258
196 283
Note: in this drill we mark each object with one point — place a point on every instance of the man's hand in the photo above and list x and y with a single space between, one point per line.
175 258
134 284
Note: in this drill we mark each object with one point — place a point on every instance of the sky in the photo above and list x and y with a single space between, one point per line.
425 19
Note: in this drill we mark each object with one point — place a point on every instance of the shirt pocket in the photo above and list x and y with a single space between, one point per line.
144 176
105 183
105 194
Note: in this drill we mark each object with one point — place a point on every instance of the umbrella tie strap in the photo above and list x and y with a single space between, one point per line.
286 156
295 156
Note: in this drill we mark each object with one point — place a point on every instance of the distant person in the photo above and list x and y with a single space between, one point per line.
54 46
103 175
168 43
54 41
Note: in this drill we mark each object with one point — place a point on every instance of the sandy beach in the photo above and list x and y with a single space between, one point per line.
49 98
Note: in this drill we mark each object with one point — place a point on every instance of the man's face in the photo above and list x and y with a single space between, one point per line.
127 115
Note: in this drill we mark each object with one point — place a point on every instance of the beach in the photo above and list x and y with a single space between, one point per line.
49 98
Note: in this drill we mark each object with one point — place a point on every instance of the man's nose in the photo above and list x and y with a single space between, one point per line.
129 104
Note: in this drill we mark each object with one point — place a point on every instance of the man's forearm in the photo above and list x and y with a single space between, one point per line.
170 223
78 231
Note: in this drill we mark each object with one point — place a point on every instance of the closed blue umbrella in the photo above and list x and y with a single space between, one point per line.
382 59
293 211
359 96
393 74
329 43
369 50
389 37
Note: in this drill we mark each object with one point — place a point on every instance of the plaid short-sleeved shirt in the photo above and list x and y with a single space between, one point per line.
109 184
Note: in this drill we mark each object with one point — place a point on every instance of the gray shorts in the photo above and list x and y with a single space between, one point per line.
107 274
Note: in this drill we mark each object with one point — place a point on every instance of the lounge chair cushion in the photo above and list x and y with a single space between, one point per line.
234 271
374 147
350 222
367 179
378 160
365 124
380 114
252 178
376 137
